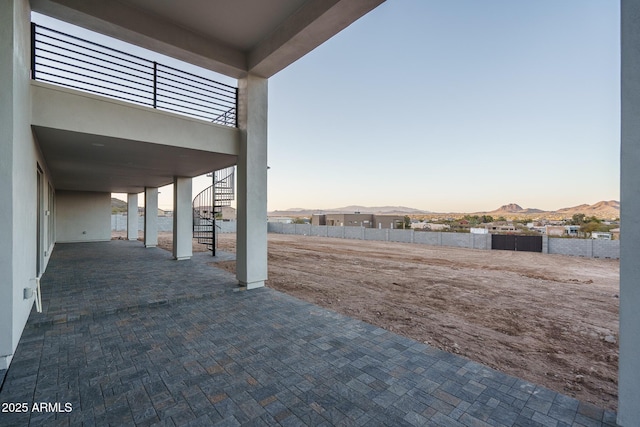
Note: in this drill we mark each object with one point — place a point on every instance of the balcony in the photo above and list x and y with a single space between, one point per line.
69 61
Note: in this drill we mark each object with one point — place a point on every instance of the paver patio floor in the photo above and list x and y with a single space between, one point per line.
130 337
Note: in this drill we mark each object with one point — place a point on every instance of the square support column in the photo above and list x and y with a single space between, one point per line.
132 216
182 219
629 359
150 217
251 245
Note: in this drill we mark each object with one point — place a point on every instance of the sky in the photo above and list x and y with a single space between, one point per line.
451 106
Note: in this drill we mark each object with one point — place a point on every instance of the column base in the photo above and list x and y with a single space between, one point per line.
251 285
182 258
5 361
150 246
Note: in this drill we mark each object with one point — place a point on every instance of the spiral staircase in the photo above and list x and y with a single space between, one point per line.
208 204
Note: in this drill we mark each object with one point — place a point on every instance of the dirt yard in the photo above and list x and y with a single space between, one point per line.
550 319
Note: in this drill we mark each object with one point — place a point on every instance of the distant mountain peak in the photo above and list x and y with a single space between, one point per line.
511 207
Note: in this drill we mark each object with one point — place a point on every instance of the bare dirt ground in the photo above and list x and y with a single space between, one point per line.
549 319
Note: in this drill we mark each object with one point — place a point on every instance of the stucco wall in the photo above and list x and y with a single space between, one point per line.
83 216
19 158
62 108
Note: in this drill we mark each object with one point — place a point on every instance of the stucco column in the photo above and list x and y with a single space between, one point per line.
150 217
629 362
182 218
251 245
132 216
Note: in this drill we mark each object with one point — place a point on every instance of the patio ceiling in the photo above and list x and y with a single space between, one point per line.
86 162
230 37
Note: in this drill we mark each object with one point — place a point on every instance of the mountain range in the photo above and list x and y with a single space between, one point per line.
386 210
603 209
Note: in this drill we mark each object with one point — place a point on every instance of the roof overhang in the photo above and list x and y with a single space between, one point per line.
233 38
93 143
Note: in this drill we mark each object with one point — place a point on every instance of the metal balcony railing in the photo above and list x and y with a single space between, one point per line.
69 61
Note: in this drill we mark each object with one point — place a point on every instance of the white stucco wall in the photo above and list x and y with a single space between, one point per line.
19 159
67 109
83 216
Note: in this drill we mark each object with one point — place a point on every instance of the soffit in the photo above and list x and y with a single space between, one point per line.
232 37
240 24
85 162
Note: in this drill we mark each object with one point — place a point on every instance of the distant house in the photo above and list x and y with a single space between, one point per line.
358 220
478 230
562 230
615 233
228 213
555 230
420 225
438 227
501 227
281 219
600 235
572 230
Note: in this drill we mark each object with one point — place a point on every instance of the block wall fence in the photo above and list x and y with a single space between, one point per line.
165 223
589 248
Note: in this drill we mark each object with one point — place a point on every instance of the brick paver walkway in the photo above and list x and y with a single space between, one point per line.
130 337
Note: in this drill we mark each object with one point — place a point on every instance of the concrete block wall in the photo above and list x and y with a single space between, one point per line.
319 230
437 238
376 234
227 226
353 232
402 236
165 223
276 227
574 247
433 238
606 249
335 232
481 241
458 240
302 229
588 248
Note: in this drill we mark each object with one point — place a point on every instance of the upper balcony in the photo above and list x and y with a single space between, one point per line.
69 61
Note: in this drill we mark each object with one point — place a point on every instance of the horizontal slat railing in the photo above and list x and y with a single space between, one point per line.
72 62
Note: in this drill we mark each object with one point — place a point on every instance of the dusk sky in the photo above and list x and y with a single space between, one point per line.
447 105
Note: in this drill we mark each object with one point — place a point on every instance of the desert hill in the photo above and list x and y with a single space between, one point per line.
514 208
603 209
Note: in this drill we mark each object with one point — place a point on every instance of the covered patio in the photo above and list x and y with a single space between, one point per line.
128 337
